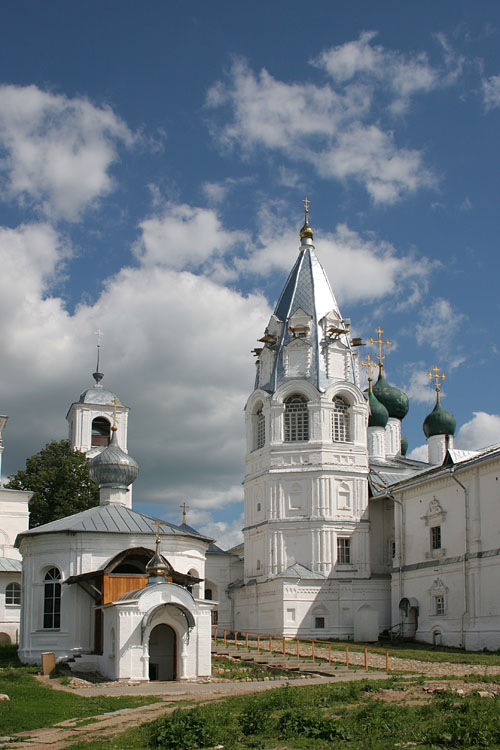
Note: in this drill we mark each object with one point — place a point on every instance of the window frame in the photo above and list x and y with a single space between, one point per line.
52 591
260 429
344 550
341 420
436 538
296 427
13 591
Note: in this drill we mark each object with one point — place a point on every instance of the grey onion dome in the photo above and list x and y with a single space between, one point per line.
395 401
113 467
439 422
379 416
97 394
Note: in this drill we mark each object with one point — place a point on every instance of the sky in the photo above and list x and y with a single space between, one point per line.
153 162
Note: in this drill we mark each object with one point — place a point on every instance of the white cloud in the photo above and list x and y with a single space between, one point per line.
176 349
420 388
403 75
57 151
182 236
344 128
481 431
419 453
226 534
491 92
360 269
319 125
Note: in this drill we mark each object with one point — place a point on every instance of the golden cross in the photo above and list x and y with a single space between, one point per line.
306 203
114 403
380 343
184 509
369 364
158 527
437 377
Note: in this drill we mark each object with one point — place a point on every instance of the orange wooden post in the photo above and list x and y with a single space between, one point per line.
225 637
347 656
284 649
246 640
366 659
298 648
329 654
387 660
215 634
270 644
258 643
312 643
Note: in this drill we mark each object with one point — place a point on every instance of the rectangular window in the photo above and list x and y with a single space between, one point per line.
436 537
290 615
319 622
393 550
343 551
439 605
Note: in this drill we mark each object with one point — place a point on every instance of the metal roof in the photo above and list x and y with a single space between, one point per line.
307 288
113 519
7 565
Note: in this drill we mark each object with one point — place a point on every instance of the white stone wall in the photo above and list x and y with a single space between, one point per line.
470 614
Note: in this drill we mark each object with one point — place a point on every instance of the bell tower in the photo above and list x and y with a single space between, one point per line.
90 419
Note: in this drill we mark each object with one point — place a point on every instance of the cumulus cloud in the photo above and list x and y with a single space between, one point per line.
360 269
183 236
56 151
420 388
419 453
176 348
479 432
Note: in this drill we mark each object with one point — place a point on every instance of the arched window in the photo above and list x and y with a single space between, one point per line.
340 421
260 429
52 599
100 431
13 594
296 419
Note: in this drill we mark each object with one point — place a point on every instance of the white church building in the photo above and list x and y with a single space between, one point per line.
344 536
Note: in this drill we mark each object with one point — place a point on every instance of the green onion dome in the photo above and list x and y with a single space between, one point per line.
113 467
404 445
395 401
439 422
379 416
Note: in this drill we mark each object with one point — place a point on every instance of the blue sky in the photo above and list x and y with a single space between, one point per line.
153 162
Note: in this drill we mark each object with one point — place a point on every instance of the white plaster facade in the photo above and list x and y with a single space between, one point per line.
447 564
14 516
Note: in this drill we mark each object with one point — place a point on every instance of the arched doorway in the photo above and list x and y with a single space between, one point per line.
408 611
162 653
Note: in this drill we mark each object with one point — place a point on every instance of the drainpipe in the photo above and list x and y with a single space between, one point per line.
400 551
466 546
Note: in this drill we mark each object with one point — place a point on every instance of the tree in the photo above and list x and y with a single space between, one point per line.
60 480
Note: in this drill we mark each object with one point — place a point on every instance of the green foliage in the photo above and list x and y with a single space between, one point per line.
254 717
295 723
59 478
187 730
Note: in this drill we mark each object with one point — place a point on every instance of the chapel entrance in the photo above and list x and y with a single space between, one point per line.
162 650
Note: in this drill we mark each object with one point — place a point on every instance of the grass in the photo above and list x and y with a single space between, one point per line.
229 669
33 705
350 716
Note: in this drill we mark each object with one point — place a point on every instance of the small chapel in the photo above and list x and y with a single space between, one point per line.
112 590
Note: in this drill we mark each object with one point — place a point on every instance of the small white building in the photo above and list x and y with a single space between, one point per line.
116 591
14 517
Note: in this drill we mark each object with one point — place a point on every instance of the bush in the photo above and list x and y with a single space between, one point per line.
186 730
300 724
